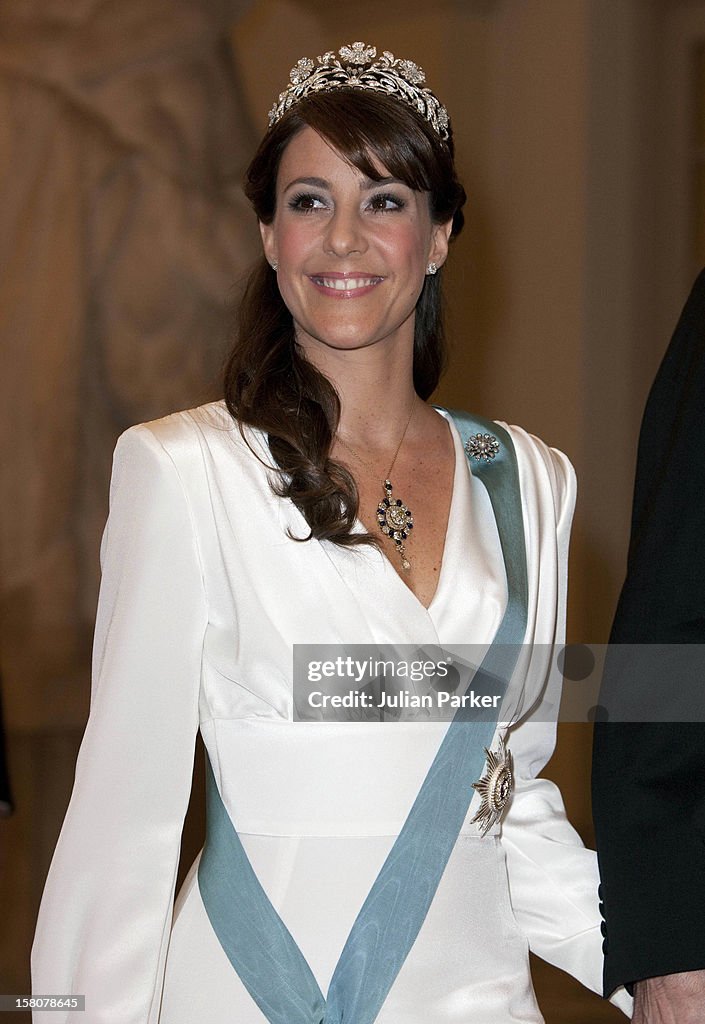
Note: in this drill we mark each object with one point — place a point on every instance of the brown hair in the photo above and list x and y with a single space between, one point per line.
269 384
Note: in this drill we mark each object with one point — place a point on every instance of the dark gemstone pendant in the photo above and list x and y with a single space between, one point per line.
395 521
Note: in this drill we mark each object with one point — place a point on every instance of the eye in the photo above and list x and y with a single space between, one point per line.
386 201
305 202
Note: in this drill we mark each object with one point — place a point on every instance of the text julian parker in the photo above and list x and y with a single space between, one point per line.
403 699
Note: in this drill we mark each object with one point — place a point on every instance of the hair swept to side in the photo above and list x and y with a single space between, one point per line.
268 382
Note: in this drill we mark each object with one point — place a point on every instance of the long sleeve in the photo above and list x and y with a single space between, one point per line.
553 878
105 917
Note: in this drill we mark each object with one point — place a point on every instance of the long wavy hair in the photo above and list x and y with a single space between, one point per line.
268 382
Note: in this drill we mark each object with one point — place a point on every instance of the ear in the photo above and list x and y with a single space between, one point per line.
440 237
268 242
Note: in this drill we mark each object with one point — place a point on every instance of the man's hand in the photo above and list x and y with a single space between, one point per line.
671 999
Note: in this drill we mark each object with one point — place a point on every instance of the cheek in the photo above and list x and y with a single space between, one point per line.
293 248
408 246
289 287
293 243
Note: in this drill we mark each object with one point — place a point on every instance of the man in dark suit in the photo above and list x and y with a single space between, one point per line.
649 776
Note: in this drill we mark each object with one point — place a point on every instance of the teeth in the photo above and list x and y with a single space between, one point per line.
346 284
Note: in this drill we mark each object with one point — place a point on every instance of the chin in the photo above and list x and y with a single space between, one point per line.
344 338
345 343
352 335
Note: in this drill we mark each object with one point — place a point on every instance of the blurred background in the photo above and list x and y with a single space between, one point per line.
125 126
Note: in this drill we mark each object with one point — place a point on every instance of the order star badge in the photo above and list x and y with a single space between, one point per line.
494 787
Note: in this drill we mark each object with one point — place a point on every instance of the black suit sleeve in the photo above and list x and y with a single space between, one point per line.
649 778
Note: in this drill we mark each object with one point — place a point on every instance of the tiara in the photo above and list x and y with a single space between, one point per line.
358 69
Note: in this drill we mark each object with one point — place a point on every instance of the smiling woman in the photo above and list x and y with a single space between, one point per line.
357 199
351 873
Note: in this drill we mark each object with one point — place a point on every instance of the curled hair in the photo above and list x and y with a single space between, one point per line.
269 384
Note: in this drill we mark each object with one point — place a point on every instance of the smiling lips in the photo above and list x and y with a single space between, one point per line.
345 286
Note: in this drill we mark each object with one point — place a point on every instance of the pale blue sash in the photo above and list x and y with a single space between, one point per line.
256 940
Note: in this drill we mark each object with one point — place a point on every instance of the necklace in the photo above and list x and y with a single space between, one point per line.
394 517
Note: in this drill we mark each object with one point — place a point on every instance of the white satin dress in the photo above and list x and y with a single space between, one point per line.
202 597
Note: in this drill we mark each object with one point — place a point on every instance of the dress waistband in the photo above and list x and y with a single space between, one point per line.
323 778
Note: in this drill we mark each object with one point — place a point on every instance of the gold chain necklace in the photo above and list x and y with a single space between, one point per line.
394 517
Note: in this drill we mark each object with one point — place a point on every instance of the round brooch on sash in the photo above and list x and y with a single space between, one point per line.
494 787
482 446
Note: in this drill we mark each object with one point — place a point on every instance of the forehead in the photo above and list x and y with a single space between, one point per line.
309 155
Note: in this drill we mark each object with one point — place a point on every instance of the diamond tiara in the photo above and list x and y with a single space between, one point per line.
357 68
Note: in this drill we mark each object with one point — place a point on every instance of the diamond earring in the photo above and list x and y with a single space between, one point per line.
274 265
431 268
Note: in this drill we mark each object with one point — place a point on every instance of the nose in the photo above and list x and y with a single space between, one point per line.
345 233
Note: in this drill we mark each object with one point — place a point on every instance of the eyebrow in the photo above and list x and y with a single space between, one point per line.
365 184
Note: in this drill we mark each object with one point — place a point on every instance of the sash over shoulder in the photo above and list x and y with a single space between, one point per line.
249 929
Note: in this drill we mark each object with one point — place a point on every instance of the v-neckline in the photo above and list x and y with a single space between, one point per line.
359 526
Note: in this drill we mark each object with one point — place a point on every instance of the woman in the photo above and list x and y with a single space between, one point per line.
341 858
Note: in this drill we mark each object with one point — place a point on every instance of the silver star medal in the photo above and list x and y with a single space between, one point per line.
494 787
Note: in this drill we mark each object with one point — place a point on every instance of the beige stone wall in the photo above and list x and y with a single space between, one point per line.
122 143
122 234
